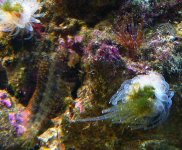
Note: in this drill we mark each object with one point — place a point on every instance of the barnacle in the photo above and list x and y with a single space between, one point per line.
16 15
141 102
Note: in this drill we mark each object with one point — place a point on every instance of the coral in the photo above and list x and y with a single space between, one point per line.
145 102
17 15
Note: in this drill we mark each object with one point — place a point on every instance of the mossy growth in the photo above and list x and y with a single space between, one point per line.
7 6
140 103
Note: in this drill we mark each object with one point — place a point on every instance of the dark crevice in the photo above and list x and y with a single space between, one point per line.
78 83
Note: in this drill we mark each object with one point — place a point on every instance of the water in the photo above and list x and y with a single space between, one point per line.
61 61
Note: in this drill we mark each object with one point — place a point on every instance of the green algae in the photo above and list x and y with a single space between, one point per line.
140 103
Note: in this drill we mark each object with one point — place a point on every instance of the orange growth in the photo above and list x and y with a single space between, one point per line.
129 35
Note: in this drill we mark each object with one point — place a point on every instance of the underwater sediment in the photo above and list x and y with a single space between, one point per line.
64 62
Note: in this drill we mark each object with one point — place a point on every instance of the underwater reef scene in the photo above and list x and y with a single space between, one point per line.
90 74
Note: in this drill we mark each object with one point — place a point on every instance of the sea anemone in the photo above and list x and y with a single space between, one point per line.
141 103
17 15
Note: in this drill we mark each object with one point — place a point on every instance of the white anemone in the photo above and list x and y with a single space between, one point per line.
13 18
136 109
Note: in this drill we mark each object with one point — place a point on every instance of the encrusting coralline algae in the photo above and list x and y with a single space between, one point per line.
141 102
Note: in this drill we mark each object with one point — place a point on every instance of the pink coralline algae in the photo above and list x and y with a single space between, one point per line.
72 44
162 42
79 105
97 51
137 67
19 121
5 99
71 48
103 52
107 53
